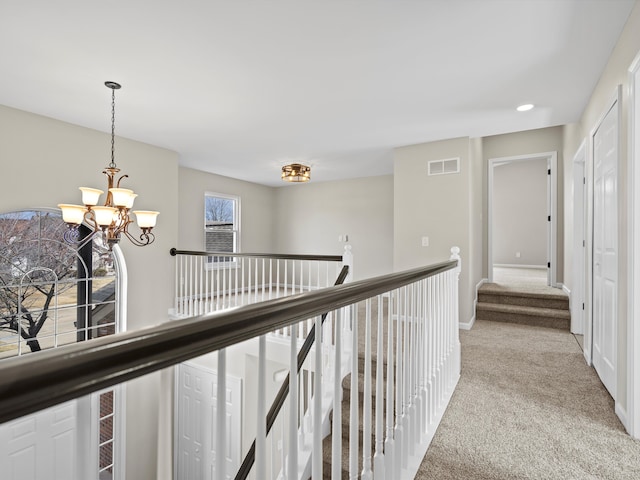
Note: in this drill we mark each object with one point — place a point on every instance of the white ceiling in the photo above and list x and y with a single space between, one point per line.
239 88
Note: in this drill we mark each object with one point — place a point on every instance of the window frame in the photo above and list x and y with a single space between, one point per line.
236 230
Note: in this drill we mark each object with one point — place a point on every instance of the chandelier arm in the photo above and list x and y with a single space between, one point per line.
146 238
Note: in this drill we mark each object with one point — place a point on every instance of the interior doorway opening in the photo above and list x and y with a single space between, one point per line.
522 219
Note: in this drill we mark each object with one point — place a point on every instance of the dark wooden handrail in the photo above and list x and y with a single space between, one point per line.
32 382
280 256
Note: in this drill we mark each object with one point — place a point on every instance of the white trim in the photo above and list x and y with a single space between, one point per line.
579 174
552 161
633 221
566 290
120 390
515 265
469 325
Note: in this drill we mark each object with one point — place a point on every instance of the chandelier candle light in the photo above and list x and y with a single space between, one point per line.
296 172
111 219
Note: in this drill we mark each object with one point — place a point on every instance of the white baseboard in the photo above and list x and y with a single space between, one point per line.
469 325
515 265
622 415
566 290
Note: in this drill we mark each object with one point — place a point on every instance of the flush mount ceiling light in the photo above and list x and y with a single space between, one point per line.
296 172
112 219
525 108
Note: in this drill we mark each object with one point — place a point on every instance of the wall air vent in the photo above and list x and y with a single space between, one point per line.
444 167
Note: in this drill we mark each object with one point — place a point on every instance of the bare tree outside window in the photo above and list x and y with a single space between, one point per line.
39 282
221 225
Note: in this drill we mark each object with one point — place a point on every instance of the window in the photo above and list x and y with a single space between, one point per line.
51 294
221 225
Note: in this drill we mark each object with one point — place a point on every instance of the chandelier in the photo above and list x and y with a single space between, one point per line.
296 172
112 219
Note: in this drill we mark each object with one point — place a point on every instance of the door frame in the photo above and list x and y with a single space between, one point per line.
552 209
579 239
633 250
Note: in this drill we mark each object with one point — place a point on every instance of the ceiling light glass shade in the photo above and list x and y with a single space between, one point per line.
296 172
90 196
145 218
122 196
132 197
104 215
526 107
72 214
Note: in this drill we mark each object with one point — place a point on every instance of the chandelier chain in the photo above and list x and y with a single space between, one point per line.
113 127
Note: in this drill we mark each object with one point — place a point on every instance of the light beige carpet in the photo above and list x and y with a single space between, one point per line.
528 407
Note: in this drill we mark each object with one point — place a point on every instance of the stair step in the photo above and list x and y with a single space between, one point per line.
544 317
525 300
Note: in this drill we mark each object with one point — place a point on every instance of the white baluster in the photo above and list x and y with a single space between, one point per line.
221 417
316 451
354 400
398 435
366 407
389 450
378 457
336 431
261 427
292 458
405 382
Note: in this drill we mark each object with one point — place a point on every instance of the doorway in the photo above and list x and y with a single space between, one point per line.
522 234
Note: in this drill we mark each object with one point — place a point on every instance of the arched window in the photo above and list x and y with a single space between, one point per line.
51 294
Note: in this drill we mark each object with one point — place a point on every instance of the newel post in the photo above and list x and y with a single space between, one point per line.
347 259
455 255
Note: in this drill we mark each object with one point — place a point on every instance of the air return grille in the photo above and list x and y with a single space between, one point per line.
444 167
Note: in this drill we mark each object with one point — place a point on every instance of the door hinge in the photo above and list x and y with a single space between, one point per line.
549 218
584 180
548 172
548 264
583 244
583 306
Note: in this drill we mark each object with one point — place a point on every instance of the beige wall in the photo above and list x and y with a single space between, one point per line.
312 216
257 210
437 207
614 74
523 143
520 213
44 162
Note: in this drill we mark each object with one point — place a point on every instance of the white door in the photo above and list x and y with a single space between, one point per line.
41 446
605 248
196 423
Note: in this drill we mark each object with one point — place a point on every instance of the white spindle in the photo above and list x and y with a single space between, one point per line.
221 416
398 436
366 407
316 459
354 400
378 456
405 381
389 450
292 463
336 431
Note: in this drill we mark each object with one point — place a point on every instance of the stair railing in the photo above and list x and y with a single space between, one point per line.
211 281
418 324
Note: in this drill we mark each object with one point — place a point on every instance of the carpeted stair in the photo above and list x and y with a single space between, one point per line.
346 396
543 307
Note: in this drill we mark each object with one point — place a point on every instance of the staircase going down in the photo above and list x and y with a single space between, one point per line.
543 307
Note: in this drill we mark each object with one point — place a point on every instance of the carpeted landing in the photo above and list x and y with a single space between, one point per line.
528 407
